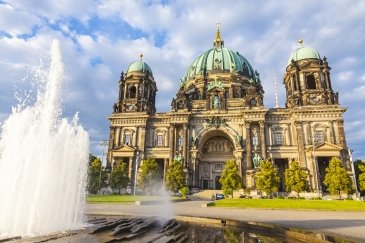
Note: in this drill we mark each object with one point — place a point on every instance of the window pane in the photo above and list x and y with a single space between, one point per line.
159 140
319 137
127 139
278 139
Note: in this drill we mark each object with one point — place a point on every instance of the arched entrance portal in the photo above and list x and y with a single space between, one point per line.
214 153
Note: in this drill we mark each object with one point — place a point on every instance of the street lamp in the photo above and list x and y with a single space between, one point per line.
103 144
353 171
135 173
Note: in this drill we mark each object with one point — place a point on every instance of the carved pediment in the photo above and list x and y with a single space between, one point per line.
324 147
124 148
327 147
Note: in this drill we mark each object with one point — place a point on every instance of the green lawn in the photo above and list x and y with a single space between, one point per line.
122 198
334 205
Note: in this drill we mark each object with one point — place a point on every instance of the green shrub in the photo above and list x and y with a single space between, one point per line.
184 191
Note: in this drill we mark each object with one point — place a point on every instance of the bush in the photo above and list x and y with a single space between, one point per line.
316 198
184 191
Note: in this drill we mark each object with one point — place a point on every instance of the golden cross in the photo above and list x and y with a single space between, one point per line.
218 25
141 56
300 41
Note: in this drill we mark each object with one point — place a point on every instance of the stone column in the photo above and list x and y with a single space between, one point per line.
248 145
290 135
185 144
142 140
300 140
341 133
239 163
342 138
110 146
262 138
193 171
172 142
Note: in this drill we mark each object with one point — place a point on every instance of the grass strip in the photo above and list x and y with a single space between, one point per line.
332 205
122 198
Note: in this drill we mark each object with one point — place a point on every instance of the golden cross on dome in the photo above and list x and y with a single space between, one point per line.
218 24
141 56
301 41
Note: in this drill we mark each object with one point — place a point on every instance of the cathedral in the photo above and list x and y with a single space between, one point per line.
218 115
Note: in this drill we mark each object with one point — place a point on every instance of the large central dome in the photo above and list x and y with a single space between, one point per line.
220 60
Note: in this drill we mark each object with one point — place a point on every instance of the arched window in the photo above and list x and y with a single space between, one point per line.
180 142
319 136
127 138
311 82
132 91
140 90
255 137
278 138
159 138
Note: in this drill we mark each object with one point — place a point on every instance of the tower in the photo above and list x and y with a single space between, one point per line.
137 89
307 79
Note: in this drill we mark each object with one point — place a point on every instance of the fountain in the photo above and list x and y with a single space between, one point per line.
43 164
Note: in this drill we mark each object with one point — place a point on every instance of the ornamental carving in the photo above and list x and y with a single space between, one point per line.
216 122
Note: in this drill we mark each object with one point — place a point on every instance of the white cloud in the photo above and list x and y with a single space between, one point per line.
345 76
264 32
15 21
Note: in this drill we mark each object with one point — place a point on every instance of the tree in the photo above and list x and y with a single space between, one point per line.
296 178
230 179
119 176
267 179
361 180
149 178
357 164
337 180
175 176
97 176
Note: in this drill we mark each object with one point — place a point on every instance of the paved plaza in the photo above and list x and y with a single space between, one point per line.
345 224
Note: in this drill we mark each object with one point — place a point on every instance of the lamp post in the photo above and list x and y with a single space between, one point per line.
353 171
103 144
135 173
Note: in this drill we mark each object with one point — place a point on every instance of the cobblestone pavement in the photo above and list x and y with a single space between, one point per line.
345 224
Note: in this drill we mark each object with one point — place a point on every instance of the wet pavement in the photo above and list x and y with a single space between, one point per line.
349 225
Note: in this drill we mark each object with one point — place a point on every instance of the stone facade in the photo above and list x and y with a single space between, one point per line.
218 114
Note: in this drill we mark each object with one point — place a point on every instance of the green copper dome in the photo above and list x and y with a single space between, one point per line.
304 53
139 66
221 59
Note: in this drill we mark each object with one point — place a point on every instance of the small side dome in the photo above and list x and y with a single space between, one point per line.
304 53
139 66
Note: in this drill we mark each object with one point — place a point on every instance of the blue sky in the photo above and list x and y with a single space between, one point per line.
100 39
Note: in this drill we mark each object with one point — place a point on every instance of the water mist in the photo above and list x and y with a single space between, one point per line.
43 164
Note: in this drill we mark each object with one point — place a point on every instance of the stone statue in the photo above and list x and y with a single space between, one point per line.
335 98
216 102
239 139
194 141
181 83
256 160
178 157
115 107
